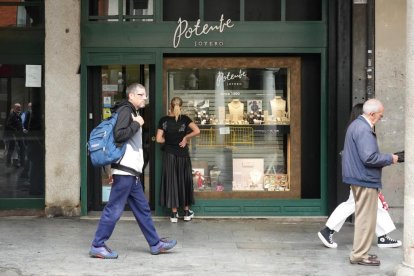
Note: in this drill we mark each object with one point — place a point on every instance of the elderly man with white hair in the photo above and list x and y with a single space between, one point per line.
362 165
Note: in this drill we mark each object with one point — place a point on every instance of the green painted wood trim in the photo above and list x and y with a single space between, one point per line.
121 57
159 112
201 9
324 133
102 57
22 203
243 35
84 13
257 207
22 41
283 10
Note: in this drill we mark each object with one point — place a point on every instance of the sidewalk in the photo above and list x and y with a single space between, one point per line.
59 246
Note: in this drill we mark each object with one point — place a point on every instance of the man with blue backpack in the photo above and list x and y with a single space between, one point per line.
127 176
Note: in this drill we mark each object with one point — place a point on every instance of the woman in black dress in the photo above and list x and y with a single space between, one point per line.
174 131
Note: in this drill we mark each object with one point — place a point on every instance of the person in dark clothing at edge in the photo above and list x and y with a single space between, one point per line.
127 180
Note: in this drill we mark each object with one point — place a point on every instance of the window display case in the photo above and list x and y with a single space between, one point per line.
248 110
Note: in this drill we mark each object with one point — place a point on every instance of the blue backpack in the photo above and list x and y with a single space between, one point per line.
101 145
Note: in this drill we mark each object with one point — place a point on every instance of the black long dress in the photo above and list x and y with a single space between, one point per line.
176 180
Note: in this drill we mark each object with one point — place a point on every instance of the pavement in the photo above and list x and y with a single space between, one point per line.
206 246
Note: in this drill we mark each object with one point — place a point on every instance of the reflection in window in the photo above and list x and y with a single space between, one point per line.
139 8
132 10
213 9
26 15
22 132
186 9
304 10
262 10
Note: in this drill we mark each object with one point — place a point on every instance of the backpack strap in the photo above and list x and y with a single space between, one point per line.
117 165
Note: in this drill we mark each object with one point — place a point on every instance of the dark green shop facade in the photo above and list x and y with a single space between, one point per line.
258 77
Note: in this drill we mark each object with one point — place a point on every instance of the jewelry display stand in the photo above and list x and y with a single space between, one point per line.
236 109
279 114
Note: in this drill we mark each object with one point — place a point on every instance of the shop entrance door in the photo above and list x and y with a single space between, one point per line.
106 86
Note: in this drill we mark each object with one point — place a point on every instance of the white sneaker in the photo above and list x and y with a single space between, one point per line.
174 217
188 215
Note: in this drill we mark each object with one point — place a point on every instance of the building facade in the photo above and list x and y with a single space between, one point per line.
269 85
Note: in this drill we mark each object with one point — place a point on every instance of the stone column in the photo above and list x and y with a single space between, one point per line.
407 266
62 107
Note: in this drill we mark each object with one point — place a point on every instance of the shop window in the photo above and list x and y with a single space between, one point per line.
132 10
249 113
213 9
22 131
304 10
185 9
262 10
29 13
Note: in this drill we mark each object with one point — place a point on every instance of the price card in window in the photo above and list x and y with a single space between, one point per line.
224 130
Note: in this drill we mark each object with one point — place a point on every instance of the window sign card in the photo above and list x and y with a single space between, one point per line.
33 75
107 101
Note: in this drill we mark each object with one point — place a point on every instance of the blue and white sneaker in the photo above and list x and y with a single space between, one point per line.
103 252
162 246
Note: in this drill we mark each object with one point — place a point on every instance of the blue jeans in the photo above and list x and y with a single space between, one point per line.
126 187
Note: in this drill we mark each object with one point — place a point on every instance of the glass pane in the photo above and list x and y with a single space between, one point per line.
8 16
22 131
244 118
213 9
186 9
115 80
138 8
262 10
104 8
21 16
304 10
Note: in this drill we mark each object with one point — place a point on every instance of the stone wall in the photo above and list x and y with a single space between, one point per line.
390 47
62 107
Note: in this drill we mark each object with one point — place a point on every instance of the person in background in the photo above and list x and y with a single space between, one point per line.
26 122
362 164
13 133
174 131
127 175
35 152
26 116
338 217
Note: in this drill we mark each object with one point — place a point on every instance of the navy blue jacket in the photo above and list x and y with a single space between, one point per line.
362 162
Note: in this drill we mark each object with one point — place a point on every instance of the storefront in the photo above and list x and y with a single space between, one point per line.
253 76
22 165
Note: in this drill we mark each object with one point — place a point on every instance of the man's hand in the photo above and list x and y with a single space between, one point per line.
394 159
138 119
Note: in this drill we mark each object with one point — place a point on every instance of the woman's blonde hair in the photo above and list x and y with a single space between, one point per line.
176 104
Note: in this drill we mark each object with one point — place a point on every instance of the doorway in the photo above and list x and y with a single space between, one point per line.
107 86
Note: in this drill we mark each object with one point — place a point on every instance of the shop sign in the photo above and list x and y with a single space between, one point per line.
185 31
233 79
